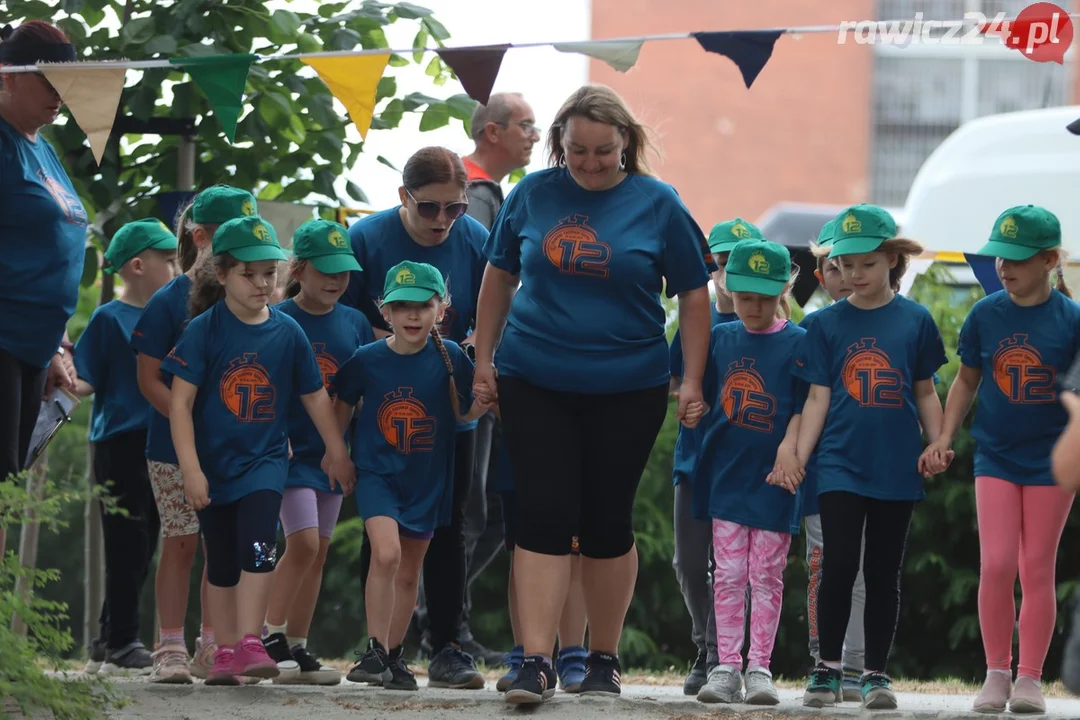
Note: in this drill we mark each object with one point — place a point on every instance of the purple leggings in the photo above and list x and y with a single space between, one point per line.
304 508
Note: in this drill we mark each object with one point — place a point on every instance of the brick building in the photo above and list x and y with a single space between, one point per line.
823 123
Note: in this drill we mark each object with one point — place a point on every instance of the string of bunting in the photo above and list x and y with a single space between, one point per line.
92 89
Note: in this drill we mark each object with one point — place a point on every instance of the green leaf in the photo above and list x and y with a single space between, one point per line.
324 184
71 6
137 31
461 106
91 15
343 39
308 43
297 125
387 88
392 114
387 163
437 29
436 116
414 100
419 42
408 11
74 29
90 266
434 68
284 26
162 44
329 10
516 175
275 109
398 61
374 39
355 192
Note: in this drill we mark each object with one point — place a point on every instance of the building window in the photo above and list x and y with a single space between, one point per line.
923 92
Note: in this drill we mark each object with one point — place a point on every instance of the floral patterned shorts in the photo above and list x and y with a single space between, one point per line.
177 517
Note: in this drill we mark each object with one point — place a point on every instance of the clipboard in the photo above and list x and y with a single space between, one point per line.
54 414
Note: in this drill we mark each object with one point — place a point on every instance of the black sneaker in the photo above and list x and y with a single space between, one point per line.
454 668
401 677
372 665
132 659
313 672
699 675
97 657
535 683
603 675
277 647
490 658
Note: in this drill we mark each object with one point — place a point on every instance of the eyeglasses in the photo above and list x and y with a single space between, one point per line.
429 209
529 128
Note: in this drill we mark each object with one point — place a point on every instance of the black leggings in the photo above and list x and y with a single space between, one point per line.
21 389
843 519
577 459
445 567
240 536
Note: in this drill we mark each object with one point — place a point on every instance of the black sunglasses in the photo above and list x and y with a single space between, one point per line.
429 209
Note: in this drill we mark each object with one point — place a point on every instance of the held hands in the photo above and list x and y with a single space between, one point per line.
485 386
61 373
692 405
340 471
787 471
936 458
196 490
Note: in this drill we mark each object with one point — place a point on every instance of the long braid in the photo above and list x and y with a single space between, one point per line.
454 402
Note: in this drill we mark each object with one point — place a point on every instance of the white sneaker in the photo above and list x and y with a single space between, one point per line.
759 688
724 686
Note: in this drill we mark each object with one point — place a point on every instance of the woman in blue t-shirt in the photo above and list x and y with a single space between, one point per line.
1013 345
583 365
430 226
43 224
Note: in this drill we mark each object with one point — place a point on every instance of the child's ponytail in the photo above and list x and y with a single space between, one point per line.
185 238
292 288
441 347
1059 282
206 290
783 310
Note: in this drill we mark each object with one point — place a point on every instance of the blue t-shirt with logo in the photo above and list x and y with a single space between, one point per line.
334 337
162 322
43 226
752 395
403 442
246 375
1020 351
104 359
870 359
688 440
587 317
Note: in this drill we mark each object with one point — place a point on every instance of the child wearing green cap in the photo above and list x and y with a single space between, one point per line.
319 273
234 370
693 537
1013 345
870 362
403 447
143 254
154 336
747 463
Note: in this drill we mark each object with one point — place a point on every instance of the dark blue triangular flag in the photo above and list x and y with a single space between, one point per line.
985 272
748 49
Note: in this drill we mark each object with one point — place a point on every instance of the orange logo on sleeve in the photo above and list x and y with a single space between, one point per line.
744 399
1020 373
870 378
328 366
404 422
247 391
69 204
573 247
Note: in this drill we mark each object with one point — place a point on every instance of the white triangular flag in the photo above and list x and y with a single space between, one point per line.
91 95
621 55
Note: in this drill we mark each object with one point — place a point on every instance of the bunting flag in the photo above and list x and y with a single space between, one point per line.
91 96
620 55
222 78
354 81
476 68
748 49
985 272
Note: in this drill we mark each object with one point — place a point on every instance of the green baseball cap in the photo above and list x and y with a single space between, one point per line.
413 282
1022 231
222 203
861 229
133 238
248 239
325 245
827 233
758 266
727 235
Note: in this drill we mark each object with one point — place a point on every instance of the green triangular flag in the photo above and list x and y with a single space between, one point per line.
222 78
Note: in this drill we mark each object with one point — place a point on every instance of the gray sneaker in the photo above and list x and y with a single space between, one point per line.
724 686
132 659
994 694
759 688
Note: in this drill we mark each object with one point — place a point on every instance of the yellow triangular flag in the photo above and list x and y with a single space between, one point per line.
92 96
353 81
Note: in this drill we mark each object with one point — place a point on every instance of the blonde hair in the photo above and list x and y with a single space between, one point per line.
1059 272
783 310
600 103
903 247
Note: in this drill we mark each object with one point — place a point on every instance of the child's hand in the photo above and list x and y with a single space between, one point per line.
341 471
290 449
196 490
694 412
787 472
935 458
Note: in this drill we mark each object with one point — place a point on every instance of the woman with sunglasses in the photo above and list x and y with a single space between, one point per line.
430 226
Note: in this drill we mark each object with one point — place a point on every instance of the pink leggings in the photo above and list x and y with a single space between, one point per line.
1019 529
747 555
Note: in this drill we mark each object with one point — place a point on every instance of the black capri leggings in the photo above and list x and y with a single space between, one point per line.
844 516
21 389
577 459
240 536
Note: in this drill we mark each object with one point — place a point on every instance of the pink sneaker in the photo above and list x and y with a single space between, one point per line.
251 659
221 673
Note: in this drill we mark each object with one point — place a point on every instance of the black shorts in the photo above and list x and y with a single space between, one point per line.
240 536
22 387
